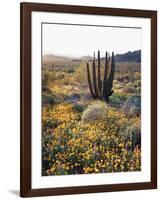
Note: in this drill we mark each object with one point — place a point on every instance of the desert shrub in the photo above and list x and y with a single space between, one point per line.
118 85
137 75
129 85
137 83
50 123
47 139
97 111
132 135
47 153
132 106
68 79
59 75
117 99
78 107
138 90
72 98
80 74
115 82
134 111
70 71
129 88
50 99
47 78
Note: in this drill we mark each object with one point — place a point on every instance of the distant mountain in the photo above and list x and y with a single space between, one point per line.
51 59
86 58
134 56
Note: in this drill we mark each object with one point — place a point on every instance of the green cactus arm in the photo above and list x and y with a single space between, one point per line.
111 76
109 81
99 75
89 82
94 77
105 72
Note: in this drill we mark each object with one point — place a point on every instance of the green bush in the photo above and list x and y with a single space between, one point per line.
117 98
132 107
47 153
70 71
132 134
47 78
78 107
49 124
97 111
49 99
137 83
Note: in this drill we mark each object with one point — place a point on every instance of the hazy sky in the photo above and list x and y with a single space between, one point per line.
73 40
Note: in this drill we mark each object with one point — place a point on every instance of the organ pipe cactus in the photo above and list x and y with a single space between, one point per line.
101 89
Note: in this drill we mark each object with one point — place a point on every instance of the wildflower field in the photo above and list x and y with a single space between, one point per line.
82 135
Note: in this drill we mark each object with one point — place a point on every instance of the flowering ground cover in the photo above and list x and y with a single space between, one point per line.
81 135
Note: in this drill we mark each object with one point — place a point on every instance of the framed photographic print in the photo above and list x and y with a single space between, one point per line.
88 99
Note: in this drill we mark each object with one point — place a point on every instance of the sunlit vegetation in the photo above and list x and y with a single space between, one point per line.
82 135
